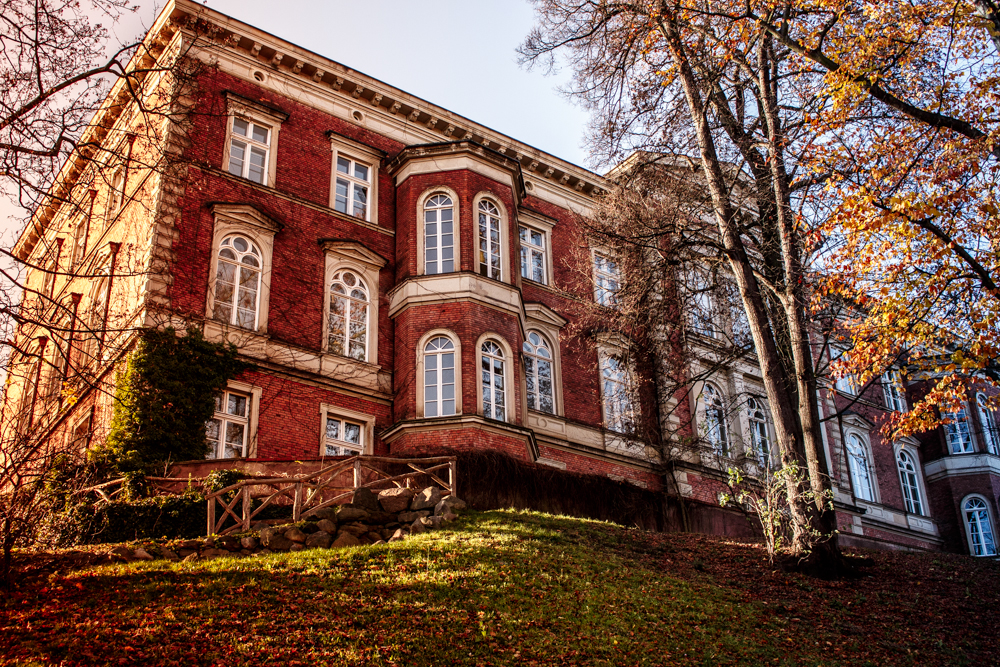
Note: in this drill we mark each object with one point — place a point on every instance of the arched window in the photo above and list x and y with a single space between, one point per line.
538 373
989 423
494 389
439 377
716 430
237 282
439 235
489 240
619 411
348 333
759 440
957 432
861 470
978 527
908 480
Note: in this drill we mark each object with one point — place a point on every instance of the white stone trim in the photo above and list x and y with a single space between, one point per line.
253 418
551 336
544 227
448 287
237 107
851 428
991 515
367 421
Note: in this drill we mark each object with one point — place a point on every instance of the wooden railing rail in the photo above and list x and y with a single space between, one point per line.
312 492
158 483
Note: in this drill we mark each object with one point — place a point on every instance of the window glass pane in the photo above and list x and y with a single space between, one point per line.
259 133
340 195
237 153
234 440
361 171
257 158
237 405
240 127
343 165
333 428
352 433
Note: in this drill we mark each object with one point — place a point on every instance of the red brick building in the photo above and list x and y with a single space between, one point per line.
404 280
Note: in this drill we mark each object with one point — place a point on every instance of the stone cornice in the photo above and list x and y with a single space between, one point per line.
469 149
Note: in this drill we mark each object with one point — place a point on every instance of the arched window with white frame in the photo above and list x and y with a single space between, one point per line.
237 282
978 527
760 442
490 263
957 431
494 388
439 377
349 308
439 234
862 475
538 373
910 482
716 429
989 423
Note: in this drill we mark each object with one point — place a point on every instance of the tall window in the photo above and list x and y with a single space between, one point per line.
532 254
116 196
343 437
248 150
619 411
861 472
957 432
759 440
439 377
716 430
892 388
237 282
908 480
606 280
846 382
538 373
979 528
489 240
989 422
80 230
348 333
494 390
51 262
703 310
439 235
351 187
226 432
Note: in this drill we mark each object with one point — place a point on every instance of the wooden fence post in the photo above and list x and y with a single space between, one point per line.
357 473
297 502
247 508
453 477
211 516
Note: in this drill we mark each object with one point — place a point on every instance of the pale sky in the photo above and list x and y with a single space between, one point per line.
458 54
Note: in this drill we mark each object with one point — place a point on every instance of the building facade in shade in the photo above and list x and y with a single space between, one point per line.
405 281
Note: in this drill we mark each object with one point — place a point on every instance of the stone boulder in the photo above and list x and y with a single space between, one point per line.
347 514
121 553
345 540
449 505
354 528
295 535
168 554
426 498
409 517
417 527
398 535
396 500
319 540
209 554
142 554
249 543
327 526
364 498
328 513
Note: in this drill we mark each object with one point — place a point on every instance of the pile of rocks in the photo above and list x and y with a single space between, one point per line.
389 516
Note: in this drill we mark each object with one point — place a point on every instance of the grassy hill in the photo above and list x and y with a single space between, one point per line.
506 587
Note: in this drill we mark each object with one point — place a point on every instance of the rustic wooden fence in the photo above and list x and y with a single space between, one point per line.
160 485
307 494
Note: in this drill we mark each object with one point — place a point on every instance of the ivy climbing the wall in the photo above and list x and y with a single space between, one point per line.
163 397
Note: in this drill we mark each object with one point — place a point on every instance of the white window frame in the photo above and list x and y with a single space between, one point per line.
854 469
759 429
534 361
959 432
991 524
352 256
367 423
252 394
74 436
893 392
240 265
504 236
603 296
548 324
702 300
248 110
847 383
421 229
116 196
718 433
246 221
919 507
626 422
510 395
342 147
534 222
421 344
988 424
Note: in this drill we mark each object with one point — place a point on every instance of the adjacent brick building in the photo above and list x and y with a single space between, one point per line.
404 280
